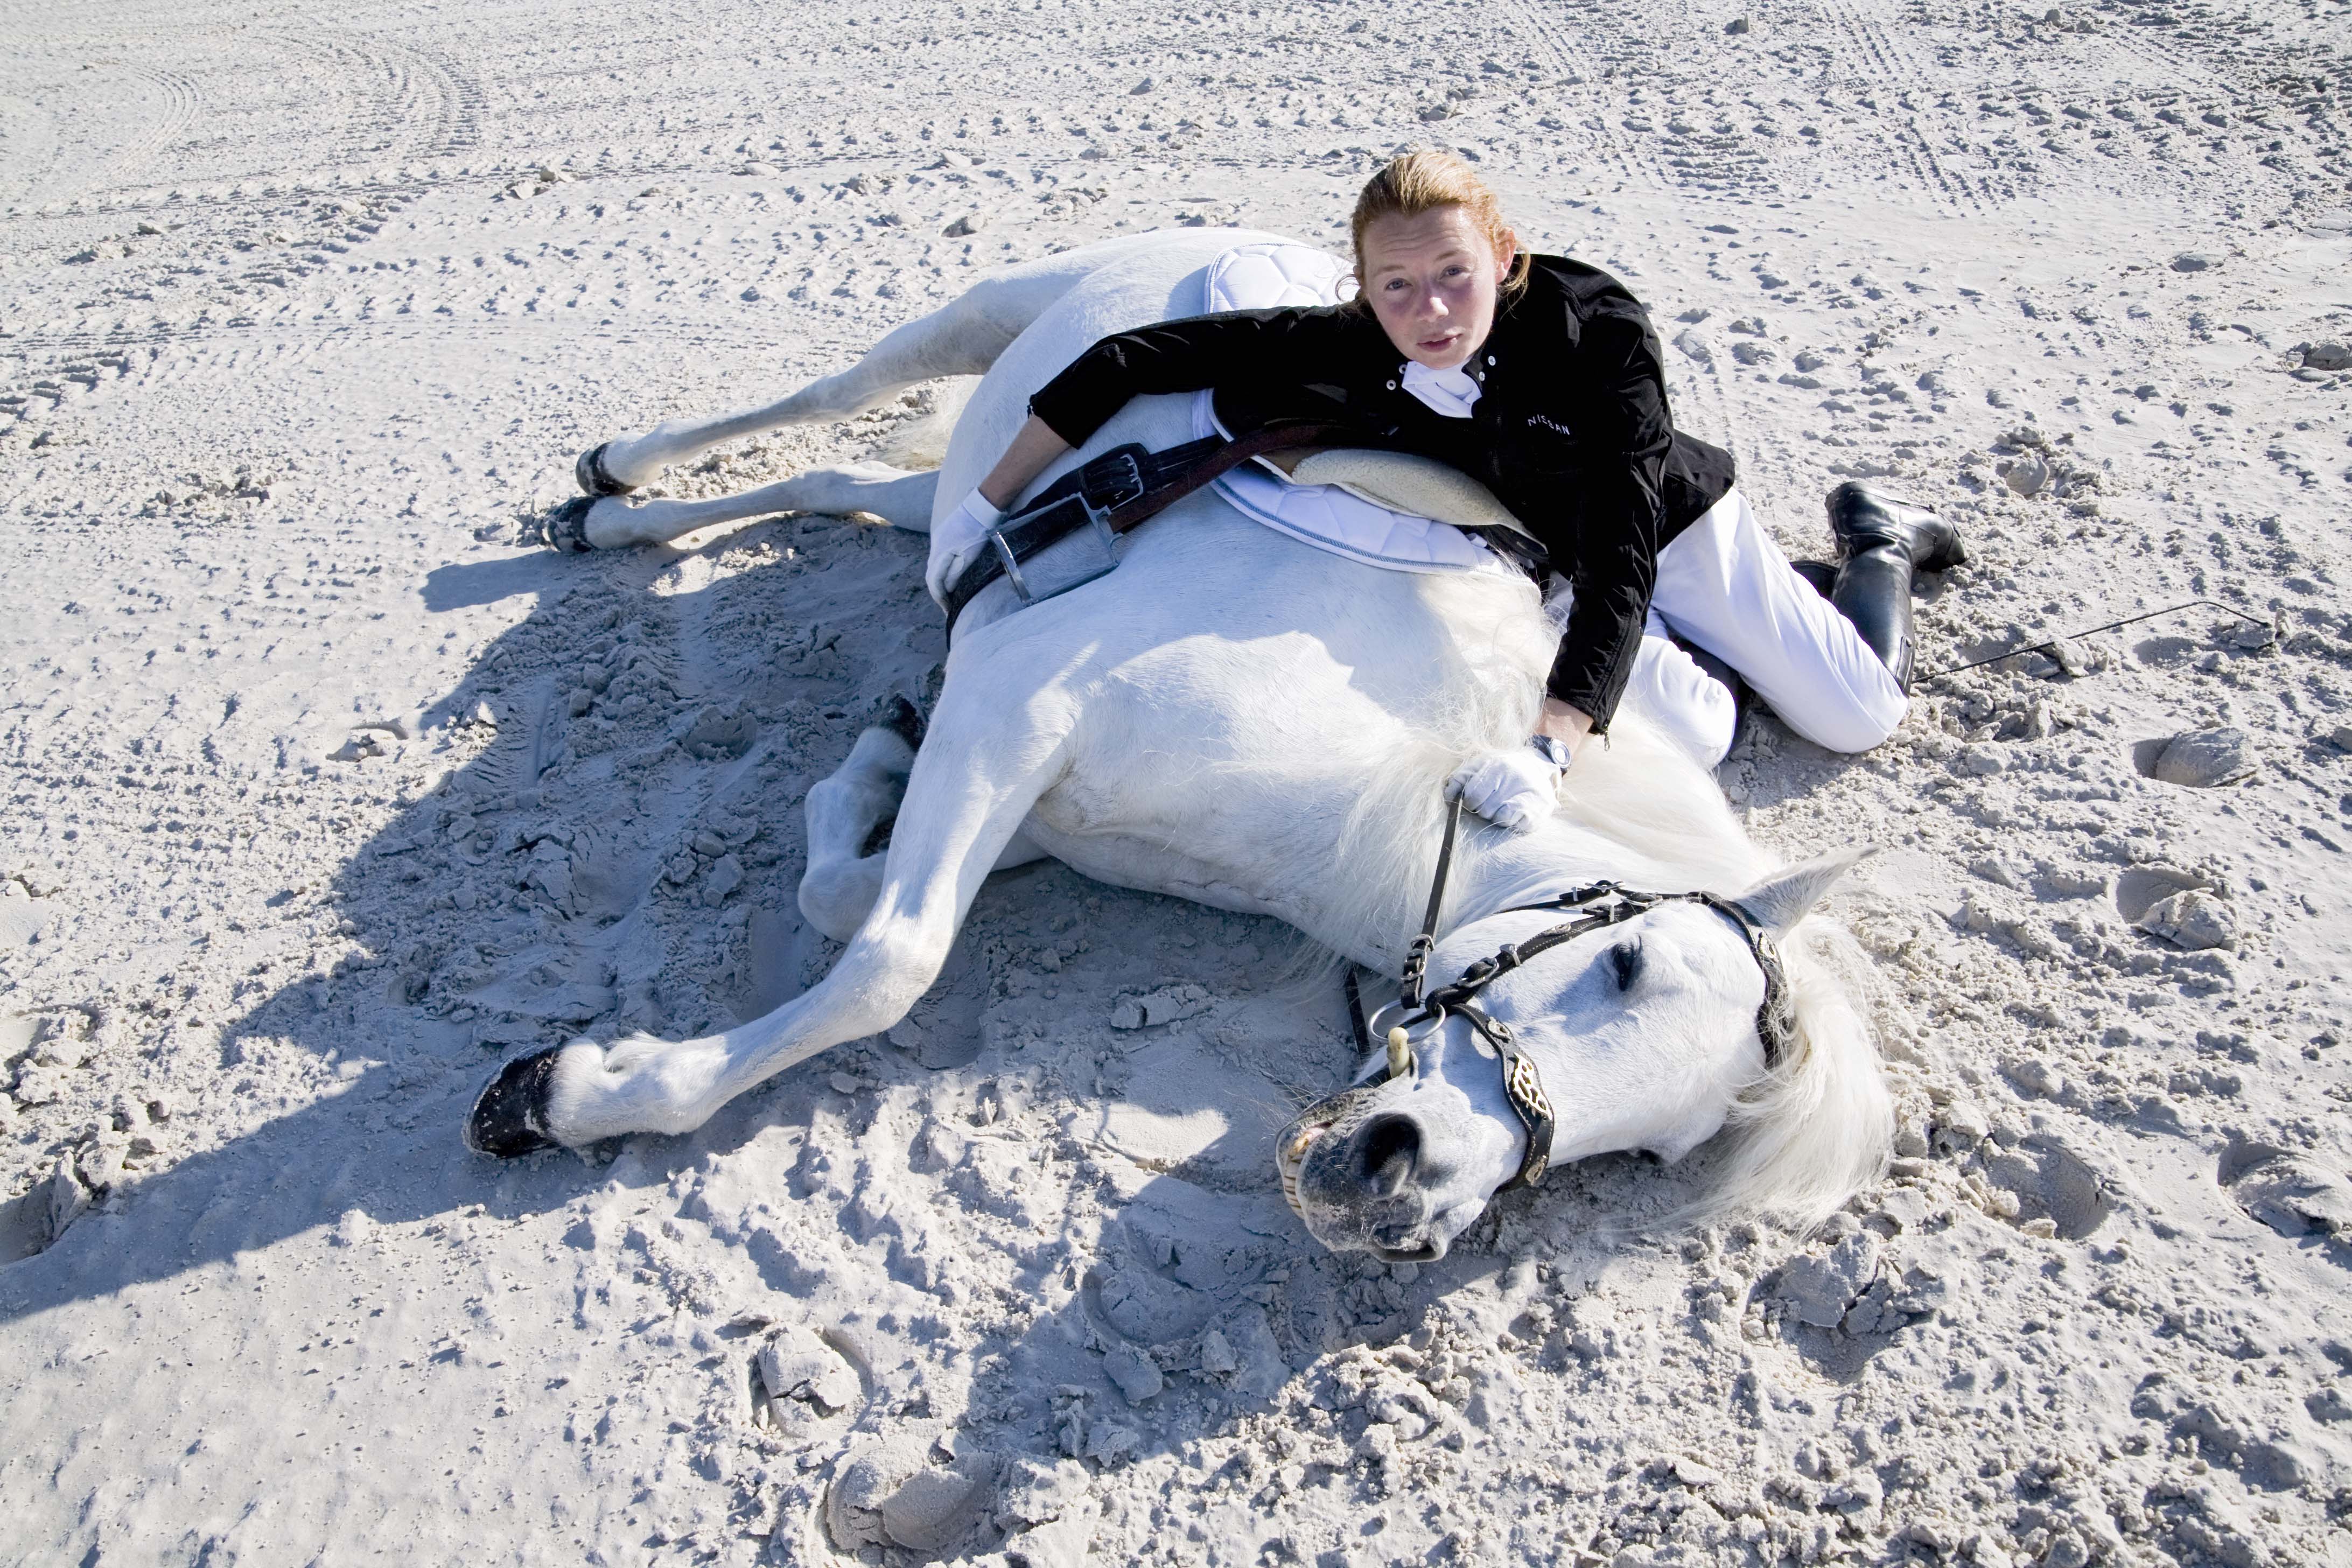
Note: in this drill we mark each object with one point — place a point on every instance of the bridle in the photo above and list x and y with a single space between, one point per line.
1415 1015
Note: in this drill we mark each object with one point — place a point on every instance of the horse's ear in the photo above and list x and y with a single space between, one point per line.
1783 898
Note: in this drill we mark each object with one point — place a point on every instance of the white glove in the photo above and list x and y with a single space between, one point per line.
1514 789
957 539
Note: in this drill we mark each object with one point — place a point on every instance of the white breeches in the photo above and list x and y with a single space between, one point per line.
1725 586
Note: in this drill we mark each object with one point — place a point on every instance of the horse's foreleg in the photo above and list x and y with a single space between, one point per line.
966 796
901 499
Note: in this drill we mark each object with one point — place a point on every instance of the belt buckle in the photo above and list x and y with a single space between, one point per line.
1089 550
1112 480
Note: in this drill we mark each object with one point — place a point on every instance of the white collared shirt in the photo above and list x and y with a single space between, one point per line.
1452 392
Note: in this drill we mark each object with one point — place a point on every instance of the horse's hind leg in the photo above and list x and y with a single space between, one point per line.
958 339
901 499
845 810
966 798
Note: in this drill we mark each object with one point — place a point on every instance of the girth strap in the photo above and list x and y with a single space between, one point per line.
1127 487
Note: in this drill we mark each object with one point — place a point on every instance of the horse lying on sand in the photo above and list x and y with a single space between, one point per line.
1237 718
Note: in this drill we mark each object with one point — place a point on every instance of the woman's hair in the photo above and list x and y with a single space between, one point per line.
1412 183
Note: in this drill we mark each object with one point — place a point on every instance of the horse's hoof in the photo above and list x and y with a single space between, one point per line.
898 714
509 1116
565 527
594 478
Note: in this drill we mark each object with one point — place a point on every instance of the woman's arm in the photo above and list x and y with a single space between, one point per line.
1023 461
1174 356
1565 723
1627 432
1295 344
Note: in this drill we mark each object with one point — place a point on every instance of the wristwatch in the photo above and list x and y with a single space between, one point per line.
1554 751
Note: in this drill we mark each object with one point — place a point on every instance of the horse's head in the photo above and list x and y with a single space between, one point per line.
1643 1034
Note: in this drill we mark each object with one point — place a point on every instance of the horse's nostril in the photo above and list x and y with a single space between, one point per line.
1389 1153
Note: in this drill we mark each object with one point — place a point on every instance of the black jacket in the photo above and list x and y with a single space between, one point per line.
1571 431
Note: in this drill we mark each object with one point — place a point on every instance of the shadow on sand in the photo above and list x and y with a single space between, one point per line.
1009 1199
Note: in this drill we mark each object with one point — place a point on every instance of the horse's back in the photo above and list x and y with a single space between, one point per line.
1118 285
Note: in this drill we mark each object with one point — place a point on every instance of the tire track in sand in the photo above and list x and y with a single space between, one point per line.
157 106
1633 157
392 103
176 101
1883 64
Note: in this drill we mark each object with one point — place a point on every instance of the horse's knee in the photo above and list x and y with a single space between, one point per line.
836 895
894 961
884 755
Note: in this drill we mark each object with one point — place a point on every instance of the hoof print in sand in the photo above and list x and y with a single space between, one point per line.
2201 759
2059 1191
804 1378
720 733
896 1491
2186 908
2292 1194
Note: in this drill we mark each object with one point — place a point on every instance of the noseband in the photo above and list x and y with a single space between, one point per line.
1415 1016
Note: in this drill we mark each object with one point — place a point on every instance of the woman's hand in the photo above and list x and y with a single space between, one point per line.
1514 789
1517 789
957 538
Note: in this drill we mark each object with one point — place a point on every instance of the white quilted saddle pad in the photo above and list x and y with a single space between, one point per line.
1337 517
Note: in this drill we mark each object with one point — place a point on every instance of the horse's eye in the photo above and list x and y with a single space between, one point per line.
1627 957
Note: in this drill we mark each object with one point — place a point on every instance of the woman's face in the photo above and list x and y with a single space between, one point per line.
1432 280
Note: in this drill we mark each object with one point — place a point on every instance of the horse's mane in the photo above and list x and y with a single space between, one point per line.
1805 1135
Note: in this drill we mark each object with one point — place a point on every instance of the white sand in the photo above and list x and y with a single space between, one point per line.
302 310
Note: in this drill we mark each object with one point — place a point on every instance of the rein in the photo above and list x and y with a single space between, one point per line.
1596 907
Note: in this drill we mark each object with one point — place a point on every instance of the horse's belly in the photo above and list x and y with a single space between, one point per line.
1125 860
1242 697
1204 768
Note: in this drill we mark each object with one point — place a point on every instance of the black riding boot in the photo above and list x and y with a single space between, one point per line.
1881 541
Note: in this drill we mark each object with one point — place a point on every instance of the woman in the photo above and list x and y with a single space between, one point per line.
1541 377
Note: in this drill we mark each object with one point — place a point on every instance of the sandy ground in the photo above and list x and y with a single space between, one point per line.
325 791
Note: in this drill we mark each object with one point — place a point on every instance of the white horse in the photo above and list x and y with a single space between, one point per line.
1239 719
